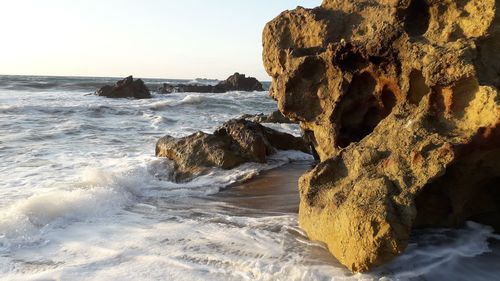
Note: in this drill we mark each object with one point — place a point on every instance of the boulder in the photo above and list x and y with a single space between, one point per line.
235 82
239 82
234 143
126 88
400 99
273 117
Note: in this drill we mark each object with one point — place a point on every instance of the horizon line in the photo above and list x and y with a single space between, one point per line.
135 77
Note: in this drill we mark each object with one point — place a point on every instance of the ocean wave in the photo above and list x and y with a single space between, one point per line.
159 105
96 111
8 108
204 81
81 84
194 99
99 111
158 121
219 102
20 109
102 193
99 194
217 179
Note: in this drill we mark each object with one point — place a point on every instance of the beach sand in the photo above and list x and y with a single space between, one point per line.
273 191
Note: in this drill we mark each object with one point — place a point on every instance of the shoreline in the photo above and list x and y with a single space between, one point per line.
272 192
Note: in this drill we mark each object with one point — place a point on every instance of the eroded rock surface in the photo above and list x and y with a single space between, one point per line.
126 88
234 143
235 82
400 99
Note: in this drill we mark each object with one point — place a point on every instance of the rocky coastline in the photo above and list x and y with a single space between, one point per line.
399 102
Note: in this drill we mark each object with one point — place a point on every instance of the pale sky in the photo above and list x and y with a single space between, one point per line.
148 38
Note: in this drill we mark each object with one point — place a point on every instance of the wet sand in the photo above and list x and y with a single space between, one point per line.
274 191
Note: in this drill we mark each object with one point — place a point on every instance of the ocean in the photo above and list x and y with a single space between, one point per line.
83 197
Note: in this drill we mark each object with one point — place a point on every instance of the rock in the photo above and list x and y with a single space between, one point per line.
167 89
273 117
400 99
234 143
185 88
126 88
239 82
235 82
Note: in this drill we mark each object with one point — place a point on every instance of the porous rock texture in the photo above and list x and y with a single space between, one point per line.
237 141
126 88
400 98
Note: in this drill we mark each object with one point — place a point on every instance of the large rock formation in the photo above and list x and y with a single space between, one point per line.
400 98
126 88
235 82
234 143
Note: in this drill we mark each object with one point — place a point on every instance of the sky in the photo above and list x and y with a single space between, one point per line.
147 38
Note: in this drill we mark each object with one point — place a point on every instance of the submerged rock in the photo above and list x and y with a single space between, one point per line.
185 88
400 99
273 117
235 82
234 143
126 88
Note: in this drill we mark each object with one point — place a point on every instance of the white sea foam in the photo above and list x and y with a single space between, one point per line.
435 254
224 247
101 193
161 105
194 99
292 129
7 108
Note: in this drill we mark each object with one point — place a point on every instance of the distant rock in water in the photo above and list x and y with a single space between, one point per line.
235 82
401 100
239 82
273 117
126 88
234 143
185 88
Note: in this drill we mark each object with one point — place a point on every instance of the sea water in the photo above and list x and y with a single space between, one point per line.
82 197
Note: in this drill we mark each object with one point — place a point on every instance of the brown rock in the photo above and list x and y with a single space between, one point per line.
239 82
234 143
185 88
126 88
235 82
400 99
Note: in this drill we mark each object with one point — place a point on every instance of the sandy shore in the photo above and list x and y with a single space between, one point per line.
273 191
